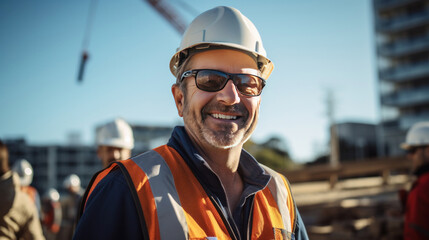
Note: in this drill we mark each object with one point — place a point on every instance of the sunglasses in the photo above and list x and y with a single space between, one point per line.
213 80
413 150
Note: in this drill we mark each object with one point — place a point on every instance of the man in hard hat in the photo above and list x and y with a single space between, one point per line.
202 184
114 141
51 213
19 218
25 172
70 201
416 225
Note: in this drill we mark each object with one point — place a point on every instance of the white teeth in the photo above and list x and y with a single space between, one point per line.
221 116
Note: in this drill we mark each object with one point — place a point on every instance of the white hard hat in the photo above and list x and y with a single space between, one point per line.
24 170
417 136
115 134
52 194
71 181
222 27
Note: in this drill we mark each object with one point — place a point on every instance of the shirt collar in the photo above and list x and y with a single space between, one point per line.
251 172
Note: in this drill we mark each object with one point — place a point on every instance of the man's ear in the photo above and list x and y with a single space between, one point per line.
99 152
178 98
426 152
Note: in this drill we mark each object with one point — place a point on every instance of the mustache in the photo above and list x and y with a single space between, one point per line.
233 109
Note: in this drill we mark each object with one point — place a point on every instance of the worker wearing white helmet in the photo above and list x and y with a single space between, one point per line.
114 141
72 183
416 225
19 218
201 184
51 213
25 171
70 201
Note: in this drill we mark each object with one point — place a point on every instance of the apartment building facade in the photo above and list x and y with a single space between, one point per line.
402 44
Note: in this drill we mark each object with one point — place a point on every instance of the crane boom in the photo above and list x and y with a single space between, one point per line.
169 14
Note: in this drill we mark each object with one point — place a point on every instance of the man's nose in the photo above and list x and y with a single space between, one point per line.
229 94
116 153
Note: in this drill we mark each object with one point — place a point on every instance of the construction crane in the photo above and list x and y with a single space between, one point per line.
85 43
161 7
169 14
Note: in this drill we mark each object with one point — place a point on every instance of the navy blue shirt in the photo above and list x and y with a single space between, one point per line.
110 212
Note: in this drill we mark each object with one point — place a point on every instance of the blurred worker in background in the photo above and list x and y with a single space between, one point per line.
416 225
51 213
25 172
114 141
202 184
69 205
19 218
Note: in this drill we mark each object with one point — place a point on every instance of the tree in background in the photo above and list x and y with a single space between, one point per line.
272 153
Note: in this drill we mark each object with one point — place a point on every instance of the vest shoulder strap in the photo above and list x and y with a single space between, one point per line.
281 191
136 201
164 192
98 177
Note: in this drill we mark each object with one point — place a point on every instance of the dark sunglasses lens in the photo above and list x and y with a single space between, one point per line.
213 81
210 81
248 84
412 150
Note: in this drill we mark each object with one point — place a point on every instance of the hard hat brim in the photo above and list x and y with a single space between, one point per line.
116 143
405 146
267 64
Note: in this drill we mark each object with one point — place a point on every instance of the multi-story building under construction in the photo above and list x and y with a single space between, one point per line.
402 42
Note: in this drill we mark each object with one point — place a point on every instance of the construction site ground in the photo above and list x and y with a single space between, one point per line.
358 208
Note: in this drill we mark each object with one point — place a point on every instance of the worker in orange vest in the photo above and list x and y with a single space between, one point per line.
51 213
416 225
201 184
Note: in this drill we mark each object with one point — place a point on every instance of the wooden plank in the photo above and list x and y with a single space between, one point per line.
378 166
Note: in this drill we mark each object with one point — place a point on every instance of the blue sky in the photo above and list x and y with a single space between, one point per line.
315 45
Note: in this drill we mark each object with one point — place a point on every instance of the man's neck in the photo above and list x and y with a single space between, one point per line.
221 160
224 163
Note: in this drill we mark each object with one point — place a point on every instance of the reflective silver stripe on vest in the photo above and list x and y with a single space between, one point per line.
166 198
280 192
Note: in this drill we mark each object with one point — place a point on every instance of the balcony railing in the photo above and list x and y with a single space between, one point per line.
407 97
406 72
403 47
406 121
387 4
403 22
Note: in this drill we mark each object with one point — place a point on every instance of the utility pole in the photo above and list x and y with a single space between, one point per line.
334 158
334 143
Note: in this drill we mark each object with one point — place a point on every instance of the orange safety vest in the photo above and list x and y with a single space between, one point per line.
172 204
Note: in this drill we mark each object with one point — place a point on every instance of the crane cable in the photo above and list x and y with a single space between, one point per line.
85 42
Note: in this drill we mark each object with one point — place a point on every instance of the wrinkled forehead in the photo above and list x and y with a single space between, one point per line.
227 60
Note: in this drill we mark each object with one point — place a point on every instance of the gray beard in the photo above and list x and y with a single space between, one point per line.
222 140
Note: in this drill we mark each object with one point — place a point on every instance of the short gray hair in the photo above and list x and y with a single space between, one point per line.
180 70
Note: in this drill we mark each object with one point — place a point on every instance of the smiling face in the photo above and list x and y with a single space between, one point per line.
222 119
